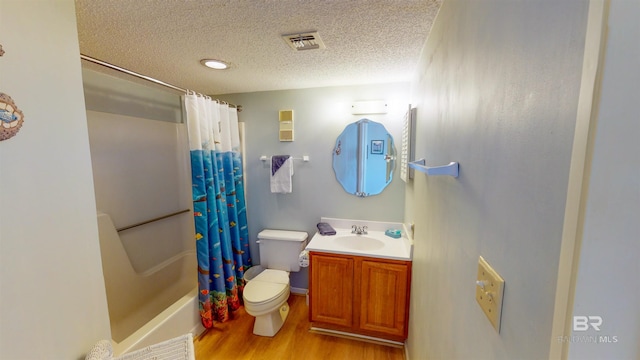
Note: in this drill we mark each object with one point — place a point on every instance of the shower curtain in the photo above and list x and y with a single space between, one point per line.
222 240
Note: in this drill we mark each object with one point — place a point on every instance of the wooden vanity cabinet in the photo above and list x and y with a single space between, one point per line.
331 295
355 294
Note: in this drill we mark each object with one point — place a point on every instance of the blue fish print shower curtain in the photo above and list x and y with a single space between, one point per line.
222 240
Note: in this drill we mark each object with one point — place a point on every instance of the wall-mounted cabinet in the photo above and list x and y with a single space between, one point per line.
360 295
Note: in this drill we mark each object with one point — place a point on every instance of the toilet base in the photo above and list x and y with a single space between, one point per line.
269 324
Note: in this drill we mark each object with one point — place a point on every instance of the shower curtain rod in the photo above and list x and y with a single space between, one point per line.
148 78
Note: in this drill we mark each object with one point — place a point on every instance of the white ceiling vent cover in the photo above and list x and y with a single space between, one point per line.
304 41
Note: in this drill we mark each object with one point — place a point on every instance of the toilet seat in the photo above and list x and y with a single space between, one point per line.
259 292
273 276
267 290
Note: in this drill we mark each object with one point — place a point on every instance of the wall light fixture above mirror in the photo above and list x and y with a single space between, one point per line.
369 107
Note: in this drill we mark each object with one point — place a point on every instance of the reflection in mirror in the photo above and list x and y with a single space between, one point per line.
364 158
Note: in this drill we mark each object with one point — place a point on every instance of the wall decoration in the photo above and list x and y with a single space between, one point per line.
11 118
1 51
377 146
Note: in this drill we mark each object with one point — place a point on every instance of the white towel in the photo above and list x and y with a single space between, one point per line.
281 179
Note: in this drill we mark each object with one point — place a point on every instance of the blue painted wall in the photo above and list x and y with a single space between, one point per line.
320 115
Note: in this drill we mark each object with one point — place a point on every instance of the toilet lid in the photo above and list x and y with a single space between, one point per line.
284 235
260 291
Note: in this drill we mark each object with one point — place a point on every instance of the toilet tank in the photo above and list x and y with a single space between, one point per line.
279 249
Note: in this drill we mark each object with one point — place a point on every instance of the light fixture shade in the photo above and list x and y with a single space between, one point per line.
214 64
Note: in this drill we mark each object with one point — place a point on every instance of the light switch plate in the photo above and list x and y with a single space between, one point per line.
489 292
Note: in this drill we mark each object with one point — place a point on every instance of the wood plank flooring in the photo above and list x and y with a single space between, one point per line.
235 340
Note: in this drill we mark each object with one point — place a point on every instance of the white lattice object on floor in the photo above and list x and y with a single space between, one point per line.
179 348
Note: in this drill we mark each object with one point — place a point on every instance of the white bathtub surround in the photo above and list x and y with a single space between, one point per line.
375 243
179 318
177 348
134 327
128 292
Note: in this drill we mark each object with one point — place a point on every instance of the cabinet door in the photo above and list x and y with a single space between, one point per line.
332 290
383 297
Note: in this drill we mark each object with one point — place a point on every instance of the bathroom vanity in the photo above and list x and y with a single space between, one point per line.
360 284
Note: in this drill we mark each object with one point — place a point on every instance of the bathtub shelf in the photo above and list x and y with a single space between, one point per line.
452 169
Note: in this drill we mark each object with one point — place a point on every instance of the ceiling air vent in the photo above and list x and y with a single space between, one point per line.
304 41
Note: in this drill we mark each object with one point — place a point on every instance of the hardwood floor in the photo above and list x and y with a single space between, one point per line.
235 340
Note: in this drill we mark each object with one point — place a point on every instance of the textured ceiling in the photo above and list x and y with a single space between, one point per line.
367 41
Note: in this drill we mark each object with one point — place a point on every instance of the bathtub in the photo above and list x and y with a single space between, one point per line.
179 318
154 303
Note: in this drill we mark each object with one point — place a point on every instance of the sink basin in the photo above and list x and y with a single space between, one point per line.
374 244
359 242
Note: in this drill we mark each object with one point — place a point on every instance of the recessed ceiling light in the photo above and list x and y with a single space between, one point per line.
214 64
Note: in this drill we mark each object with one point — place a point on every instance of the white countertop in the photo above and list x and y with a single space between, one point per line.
391 248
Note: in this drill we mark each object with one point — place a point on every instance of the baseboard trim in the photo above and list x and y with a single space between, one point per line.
299 291
351 336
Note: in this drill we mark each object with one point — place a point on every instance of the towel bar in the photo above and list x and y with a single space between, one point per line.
304 158
451 169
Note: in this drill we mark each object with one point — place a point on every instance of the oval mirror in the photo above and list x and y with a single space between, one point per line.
364 158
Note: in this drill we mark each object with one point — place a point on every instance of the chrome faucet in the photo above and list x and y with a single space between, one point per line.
359 230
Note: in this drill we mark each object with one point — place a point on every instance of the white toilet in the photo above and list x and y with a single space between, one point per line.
265 294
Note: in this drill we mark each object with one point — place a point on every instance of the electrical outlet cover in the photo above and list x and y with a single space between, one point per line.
489 292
